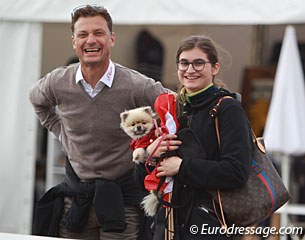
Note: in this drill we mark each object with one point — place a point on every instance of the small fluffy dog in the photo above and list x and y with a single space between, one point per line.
138 123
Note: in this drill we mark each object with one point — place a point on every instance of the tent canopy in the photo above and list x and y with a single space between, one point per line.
249 12
21 34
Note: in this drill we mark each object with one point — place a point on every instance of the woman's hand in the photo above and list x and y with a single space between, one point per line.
168 143
169 166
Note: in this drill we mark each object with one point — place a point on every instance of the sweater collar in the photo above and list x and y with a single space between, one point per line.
198 96
187 96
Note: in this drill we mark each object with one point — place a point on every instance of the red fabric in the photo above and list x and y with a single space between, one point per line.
151 182
165 106
143 142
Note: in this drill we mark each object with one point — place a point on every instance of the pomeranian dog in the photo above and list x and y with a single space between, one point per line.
139 124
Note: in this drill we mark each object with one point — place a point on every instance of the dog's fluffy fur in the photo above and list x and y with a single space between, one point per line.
138 123
150 204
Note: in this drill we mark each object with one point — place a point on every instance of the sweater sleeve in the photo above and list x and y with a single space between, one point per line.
150 91
44 104
230 169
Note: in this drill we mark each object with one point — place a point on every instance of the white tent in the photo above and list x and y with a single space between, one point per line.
20 47
285 125
162 12
285 129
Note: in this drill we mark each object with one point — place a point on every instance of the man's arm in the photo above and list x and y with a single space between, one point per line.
44 103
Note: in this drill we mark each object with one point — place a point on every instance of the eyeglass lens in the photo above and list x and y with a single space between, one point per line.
198 65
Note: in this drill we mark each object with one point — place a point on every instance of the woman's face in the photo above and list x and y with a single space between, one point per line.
195 80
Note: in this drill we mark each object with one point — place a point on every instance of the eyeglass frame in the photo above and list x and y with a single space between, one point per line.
192 63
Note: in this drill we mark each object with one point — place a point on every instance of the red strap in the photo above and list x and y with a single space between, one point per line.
153 152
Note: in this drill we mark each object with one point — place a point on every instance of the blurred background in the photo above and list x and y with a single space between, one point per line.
36 38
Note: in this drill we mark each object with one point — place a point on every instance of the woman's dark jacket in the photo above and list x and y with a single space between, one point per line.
224 167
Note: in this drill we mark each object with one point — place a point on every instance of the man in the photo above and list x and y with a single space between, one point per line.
81 105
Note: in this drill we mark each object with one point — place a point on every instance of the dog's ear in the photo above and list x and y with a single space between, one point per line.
148 110
124 115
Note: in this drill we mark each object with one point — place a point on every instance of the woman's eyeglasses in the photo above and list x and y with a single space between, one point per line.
198 65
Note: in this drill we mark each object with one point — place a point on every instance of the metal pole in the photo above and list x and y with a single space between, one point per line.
285 172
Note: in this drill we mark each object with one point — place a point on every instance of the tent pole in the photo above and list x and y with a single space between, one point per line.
285 172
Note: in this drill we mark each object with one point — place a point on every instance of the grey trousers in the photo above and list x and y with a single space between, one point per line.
93 230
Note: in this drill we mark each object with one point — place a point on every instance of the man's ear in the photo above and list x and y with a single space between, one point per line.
73 41
112 39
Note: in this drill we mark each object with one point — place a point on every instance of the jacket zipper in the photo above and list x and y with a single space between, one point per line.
189 120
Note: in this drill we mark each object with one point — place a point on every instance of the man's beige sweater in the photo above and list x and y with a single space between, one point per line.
89 128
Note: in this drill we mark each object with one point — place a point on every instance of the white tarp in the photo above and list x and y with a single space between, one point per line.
20 47
285 125
163 12
9 236
19 69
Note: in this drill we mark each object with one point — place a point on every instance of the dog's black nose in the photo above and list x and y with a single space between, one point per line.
139 128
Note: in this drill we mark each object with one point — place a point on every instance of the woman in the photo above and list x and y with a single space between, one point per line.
224 166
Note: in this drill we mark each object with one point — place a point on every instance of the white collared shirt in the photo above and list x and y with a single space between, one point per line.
106 79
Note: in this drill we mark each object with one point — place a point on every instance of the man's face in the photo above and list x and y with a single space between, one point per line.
92 40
